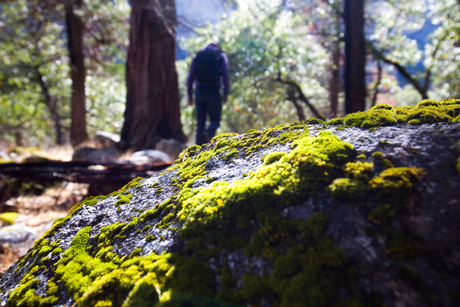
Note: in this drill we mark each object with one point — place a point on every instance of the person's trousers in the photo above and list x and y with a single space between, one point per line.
208 102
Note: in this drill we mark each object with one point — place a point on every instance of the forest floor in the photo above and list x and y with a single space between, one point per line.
38 212
37 205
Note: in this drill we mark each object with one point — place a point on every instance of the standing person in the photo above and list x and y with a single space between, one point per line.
209 71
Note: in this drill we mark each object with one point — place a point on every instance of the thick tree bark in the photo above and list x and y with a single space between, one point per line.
77 70
152 102
355 57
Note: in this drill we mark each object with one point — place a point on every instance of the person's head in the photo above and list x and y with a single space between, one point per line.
211 42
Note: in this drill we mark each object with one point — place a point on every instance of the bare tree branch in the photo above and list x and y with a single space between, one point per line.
377 85
403 71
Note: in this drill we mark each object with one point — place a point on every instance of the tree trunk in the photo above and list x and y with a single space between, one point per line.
335 79
77 71
355 57
152 103
52 107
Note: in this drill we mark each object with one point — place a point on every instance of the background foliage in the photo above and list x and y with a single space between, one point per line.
266 41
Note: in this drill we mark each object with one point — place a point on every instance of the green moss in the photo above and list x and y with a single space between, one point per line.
123 199
233 153
383 107
133 183
428 103
393 187
8 217
307 275
45 249
223 135
166 221
91 201
371 118
428 116
55 244
312 121
56 251
377 155
387 163
136 252
93 280
359 170
130 226
146 227
272 157
335 121
346 188
213 210
426 111
52 288
150 238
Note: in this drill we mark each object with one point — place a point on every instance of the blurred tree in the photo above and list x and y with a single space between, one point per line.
152 104
324 18
34 68
73 12
31 67
355 56
445 66
390 43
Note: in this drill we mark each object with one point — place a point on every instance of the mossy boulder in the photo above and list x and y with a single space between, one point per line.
307 214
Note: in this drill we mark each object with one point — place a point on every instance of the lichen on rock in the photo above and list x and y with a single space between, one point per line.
307 214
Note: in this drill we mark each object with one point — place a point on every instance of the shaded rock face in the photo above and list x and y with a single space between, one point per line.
299 215
104 139
147 157
19 237
172 147
104 155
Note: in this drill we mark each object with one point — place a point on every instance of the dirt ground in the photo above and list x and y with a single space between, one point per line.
39 211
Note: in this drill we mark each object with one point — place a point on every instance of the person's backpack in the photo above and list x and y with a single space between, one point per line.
207 66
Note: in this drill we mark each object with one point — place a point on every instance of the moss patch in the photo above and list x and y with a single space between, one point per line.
426 111
8 217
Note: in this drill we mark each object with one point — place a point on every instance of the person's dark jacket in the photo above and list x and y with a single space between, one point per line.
224 80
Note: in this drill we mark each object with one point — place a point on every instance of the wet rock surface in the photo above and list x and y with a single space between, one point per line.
412 259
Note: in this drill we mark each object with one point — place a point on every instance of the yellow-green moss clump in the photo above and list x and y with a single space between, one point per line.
8 217
307 268
425 112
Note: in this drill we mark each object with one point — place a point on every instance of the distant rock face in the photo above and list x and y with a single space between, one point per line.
19 237
172 147
105 139
104 155
147 157
305 214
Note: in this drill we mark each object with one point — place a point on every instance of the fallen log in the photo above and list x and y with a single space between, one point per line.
78 171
